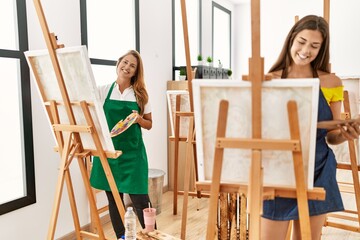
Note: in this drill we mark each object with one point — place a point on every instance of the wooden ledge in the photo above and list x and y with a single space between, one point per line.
267 77
269 192
72 128
184 114
346 166
93 152
264 144
74 103
181 139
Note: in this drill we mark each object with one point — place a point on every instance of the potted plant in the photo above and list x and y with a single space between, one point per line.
209 60
182 74
229 73
220 64
200 59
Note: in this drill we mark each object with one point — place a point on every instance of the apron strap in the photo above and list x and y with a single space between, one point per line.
110 91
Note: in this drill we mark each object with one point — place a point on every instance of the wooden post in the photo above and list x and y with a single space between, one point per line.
187 53
256 73
327 11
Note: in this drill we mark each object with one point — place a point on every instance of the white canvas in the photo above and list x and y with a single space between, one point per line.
184 107
278 165
80 84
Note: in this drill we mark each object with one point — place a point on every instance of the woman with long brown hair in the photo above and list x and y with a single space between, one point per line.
121 98
305 54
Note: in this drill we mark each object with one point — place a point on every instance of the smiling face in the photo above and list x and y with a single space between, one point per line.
306 46
127 67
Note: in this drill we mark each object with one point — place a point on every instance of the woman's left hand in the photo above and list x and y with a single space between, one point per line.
138 117
350 131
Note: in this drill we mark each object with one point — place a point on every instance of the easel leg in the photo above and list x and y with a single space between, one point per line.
72 201
301 193
59 186
353 158
91 197
216 176
187 177
176 154
255 195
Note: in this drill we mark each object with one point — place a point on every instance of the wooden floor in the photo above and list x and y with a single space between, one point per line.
197 219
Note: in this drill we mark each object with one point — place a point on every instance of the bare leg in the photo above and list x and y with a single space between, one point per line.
271 229
316 224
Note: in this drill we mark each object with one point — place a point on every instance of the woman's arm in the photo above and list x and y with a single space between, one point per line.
343 132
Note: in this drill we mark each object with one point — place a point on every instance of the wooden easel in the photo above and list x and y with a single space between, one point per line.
177 139
353 188
70 144
190 140
255 191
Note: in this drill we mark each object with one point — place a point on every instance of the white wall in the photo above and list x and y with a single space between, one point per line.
277 17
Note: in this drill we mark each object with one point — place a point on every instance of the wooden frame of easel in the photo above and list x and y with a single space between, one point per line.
353 188
177 138
190 140
352 166
293 144
70 144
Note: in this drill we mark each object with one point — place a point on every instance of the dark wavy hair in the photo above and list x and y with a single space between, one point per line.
310 22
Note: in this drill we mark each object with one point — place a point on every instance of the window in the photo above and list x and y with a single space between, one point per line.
17 180
221 35
109 29
193 9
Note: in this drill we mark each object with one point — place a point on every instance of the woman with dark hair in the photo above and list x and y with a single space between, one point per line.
305 54
125 96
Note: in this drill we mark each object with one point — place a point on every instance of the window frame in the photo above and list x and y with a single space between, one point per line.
177 68
214 4
25 88
84 35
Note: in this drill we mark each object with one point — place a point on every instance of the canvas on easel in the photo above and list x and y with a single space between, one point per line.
69 93
236 163
72 138
79 80
184 107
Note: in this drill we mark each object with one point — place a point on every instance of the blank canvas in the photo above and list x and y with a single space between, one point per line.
184 107
80 84
278 165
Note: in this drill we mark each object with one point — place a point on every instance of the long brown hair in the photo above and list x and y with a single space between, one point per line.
137 81
310 22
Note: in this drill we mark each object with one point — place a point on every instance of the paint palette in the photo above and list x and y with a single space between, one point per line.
122 125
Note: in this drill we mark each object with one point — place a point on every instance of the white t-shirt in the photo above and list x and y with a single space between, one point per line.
127 95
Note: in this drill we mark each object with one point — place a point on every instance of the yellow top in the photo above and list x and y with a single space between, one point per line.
333 94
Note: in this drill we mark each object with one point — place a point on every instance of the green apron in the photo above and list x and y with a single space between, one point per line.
130 170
